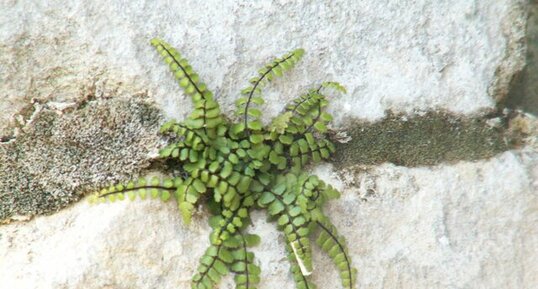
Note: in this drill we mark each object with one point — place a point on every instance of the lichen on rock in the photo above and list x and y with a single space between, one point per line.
469 224
60 155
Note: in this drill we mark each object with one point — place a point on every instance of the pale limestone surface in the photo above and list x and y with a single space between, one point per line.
465 225
468 225
399 55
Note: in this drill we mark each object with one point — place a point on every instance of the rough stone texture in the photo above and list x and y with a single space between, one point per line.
60 156
469 225
466 225
427 139
398 55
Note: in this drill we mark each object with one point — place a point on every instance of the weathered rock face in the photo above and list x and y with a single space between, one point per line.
399 55
469 225
62 155
88 63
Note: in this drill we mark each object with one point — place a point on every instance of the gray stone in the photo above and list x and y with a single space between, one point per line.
469 225
462 225
399 55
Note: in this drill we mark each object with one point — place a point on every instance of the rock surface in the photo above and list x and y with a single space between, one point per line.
398 55
60 156
465 225
469 225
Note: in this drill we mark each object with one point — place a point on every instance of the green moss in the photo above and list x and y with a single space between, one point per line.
422 140
58 156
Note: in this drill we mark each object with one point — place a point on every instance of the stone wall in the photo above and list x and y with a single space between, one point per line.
81 91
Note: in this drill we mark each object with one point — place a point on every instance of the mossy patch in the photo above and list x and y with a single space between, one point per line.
59 156
427 139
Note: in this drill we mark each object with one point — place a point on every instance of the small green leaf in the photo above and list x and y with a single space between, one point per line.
257 100
279 188
277 71
273 157
255 125
275 208
220 267
237 128
254 112
286 139
225 255
289 198
299 221
212 113
295 211
320 126
266 198
252 240
195 123
239 266
199 185
184 82
186 211
243 185
283 220
165 196
326 117
226 170
256 138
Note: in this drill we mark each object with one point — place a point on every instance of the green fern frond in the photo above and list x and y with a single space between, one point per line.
182 70
304 103
247 273
334 85
206 112
335 246
229 222
252 94
308 113
187 195
282 204
235 168
155 187
279 124
213 266
301 281
191 136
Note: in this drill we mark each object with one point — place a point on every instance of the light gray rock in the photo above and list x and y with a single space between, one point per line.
398 55
465 225
468 225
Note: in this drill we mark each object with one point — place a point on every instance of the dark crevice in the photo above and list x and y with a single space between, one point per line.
59 157
429 139
523 91
6 138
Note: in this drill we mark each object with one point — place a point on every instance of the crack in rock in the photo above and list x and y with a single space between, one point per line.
60 156
431 138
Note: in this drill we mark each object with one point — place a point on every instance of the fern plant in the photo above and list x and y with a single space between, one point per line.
237 166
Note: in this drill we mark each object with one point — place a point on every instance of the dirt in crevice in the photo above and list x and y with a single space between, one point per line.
428 139
436 137
59 156
523 93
